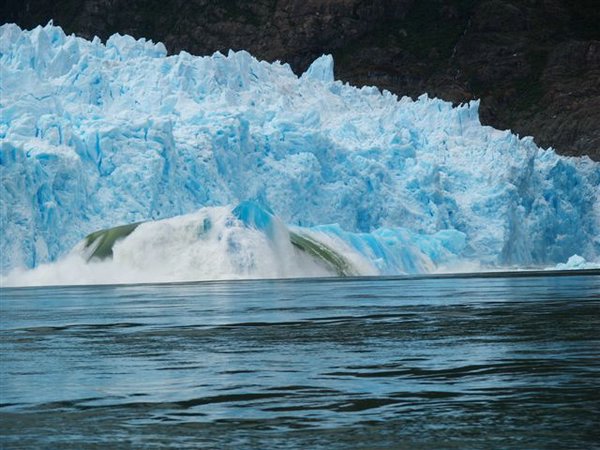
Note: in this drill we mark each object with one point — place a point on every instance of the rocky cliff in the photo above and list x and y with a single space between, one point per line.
535 64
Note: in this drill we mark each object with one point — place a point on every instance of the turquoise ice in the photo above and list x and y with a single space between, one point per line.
95 135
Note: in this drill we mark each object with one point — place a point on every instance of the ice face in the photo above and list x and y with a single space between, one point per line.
96 135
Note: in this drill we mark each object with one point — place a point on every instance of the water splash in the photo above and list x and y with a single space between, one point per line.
246 241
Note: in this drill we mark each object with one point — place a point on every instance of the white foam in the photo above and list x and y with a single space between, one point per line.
183 248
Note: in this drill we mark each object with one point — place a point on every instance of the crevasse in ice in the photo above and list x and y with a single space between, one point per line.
95 135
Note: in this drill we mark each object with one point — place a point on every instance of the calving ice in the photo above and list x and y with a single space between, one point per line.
246 241
347 180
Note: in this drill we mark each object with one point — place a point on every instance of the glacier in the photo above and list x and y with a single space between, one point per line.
95 135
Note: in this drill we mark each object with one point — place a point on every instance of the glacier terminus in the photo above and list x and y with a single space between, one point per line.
239 168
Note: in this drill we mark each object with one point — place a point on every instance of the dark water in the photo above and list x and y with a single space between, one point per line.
364 364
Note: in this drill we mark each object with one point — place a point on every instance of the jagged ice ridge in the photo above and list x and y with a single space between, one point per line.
96 135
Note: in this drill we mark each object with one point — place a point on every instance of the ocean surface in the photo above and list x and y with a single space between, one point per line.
374 363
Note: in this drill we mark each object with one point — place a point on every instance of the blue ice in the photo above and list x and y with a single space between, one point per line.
99 134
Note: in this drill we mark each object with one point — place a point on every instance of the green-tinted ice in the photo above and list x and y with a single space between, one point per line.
104 240
323 253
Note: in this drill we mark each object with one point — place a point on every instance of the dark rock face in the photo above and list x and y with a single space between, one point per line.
535 64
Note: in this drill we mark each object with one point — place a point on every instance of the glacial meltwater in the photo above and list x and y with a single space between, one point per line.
375 363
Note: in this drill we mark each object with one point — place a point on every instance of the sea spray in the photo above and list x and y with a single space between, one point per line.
243 242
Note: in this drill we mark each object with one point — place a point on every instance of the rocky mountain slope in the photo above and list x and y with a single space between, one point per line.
535 64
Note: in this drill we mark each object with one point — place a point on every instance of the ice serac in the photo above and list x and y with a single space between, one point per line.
96 135
321 69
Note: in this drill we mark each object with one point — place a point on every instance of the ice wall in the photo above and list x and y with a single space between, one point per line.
96 135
